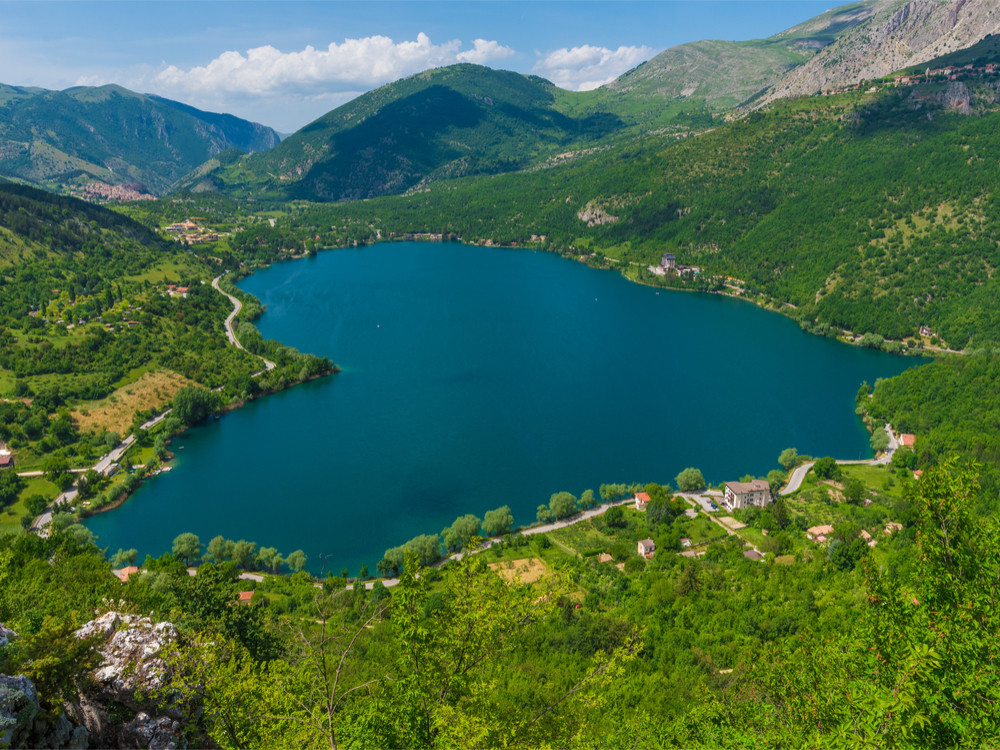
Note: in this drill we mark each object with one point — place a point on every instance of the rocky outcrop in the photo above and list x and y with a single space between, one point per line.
6 635
900 34
132 675
594 215
18 709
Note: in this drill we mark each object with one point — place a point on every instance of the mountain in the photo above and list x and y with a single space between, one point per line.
868 212
898 35
725 74
113 135
450 122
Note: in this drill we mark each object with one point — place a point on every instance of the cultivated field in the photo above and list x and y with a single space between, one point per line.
527 570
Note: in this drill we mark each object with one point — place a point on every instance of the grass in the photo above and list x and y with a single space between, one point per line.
10 518
152 389
170 270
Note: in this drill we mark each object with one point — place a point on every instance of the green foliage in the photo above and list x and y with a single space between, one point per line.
826 468
690 480
562 504
192 405
187 547
498 522
149 140
951 405
788 458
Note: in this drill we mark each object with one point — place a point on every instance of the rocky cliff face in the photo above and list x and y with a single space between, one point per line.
900 34
128 684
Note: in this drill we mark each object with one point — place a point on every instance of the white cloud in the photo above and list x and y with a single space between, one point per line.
485 51
354 64
584 68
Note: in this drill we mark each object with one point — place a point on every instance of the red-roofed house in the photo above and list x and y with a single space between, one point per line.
124 573
641 500
907 439
646 548
245 597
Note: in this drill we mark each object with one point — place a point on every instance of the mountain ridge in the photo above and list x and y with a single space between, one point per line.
113 135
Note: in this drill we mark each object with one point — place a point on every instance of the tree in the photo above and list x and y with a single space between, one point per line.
187 547
543 514
242 553
124 557
788 458
614 516
219 549
10 487
775 479
587 499
191 404
296 560
562 504
690 480
462 531
36 505
498 522
854 491
826 468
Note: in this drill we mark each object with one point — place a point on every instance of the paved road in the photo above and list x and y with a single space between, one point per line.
237 306
795 481
109 458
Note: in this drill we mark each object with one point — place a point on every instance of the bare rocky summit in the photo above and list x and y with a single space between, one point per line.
899 34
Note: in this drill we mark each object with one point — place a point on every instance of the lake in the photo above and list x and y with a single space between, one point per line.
479 377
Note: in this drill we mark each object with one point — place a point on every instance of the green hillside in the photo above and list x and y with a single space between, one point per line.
112 135
875 213
451 122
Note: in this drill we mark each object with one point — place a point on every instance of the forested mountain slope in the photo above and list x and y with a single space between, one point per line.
113 135
449 122
875 213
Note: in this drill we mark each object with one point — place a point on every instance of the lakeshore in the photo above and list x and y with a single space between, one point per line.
457 399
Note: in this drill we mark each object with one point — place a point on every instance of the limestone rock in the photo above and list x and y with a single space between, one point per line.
18 708
132 670
156 733
6 635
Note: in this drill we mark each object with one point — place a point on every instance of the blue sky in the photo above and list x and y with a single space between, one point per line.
286 63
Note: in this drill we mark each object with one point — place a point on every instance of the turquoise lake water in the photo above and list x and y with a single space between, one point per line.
478 377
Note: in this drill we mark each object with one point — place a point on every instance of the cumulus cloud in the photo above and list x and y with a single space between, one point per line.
354 64
484 51
584 68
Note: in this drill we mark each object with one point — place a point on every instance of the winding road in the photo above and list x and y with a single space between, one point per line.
795 481
100 467
230 334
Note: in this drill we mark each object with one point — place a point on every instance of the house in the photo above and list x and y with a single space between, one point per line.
916 475
123 573
685 542
907 439
246 596
868 538
752 554
667 260
604 557
6 459
646 548
818 533
746 494
892 527
641 500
